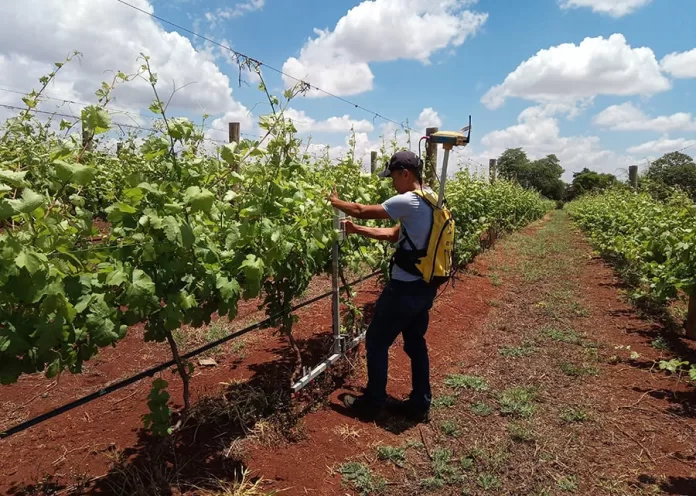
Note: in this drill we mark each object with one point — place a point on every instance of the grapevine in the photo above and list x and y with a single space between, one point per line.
190 231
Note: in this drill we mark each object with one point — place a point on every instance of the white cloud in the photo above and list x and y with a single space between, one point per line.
380 31
680 65
362 149
539 135
626 117
233 12
342 124
110 37
428 118
569 73
661 146
614 8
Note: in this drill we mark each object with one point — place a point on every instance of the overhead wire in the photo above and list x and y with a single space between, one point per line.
116 110
243 56
69 116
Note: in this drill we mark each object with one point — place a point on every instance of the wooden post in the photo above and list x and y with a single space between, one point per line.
86 140
491 169
691 318
234 132
119 146
633 176
430 158
373 162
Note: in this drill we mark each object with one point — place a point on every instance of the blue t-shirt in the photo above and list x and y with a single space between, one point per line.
416 216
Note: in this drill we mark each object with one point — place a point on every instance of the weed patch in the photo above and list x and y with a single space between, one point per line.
360 477
518 401
458 381
395 455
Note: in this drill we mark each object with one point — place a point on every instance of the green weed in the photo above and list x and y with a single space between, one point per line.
518 401
390 453
458 381
361 478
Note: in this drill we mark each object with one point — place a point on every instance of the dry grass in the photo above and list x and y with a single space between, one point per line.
243 487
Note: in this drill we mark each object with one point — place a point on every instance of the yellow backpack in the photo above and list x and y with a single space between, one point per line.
434 263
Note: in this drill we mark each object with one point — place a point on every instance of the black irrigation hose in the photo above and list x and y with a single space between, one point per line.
148 373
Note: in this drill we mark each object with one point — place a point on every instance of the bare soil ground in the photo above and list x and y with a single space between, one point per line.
545 382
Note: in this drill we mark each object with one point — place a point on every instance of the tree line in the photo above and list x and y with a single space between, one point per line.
674 170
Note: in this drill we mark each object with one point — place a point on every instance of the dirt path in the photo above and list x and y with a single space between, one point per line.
532 395
536 392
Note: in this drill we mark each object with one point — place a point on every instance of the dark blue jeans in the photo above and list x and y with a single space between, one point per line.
402 307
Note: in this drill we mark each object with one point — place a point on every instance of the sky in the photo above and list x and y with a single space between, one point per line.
602 84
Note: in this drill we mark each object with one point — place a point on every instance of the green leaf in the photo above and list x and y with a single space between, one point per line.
227 153
64 170
7 209
201 200
142 282
229 289
125 208
82 175
83 303
171 228
53 368
95 120
187 236
253 271
173 208
14 179
31 261
4 343
117 277
74 173
30 201
103 331
155 108
134 194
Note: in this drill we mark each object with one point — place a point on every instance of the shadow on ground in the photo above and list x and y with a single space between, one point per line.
207 447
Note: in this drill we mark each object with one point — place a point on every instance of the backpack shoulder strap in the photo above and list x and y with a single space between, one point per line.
430 199
407 238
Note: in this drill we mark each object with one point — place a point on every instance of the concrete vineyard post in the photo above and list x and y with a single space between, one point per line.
373 162
430 158
234 132
633 176
491 170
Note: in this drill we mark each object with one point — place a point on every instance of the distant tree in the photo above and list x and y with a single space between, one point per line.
543 175
588 180
546 177
673 170
511 163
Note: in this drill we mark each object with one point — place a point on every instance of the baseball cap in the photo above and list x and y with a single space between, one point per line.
404 159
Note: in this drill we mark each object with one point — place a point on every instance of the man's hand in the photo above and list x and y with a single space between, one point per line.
333 196
390 234
348 226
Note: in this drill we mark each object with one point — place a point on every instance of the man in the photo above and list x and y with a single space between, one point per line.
404 305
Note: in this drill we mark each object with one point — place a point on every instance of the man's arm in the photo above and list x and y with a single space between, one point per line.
390 234
358 210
